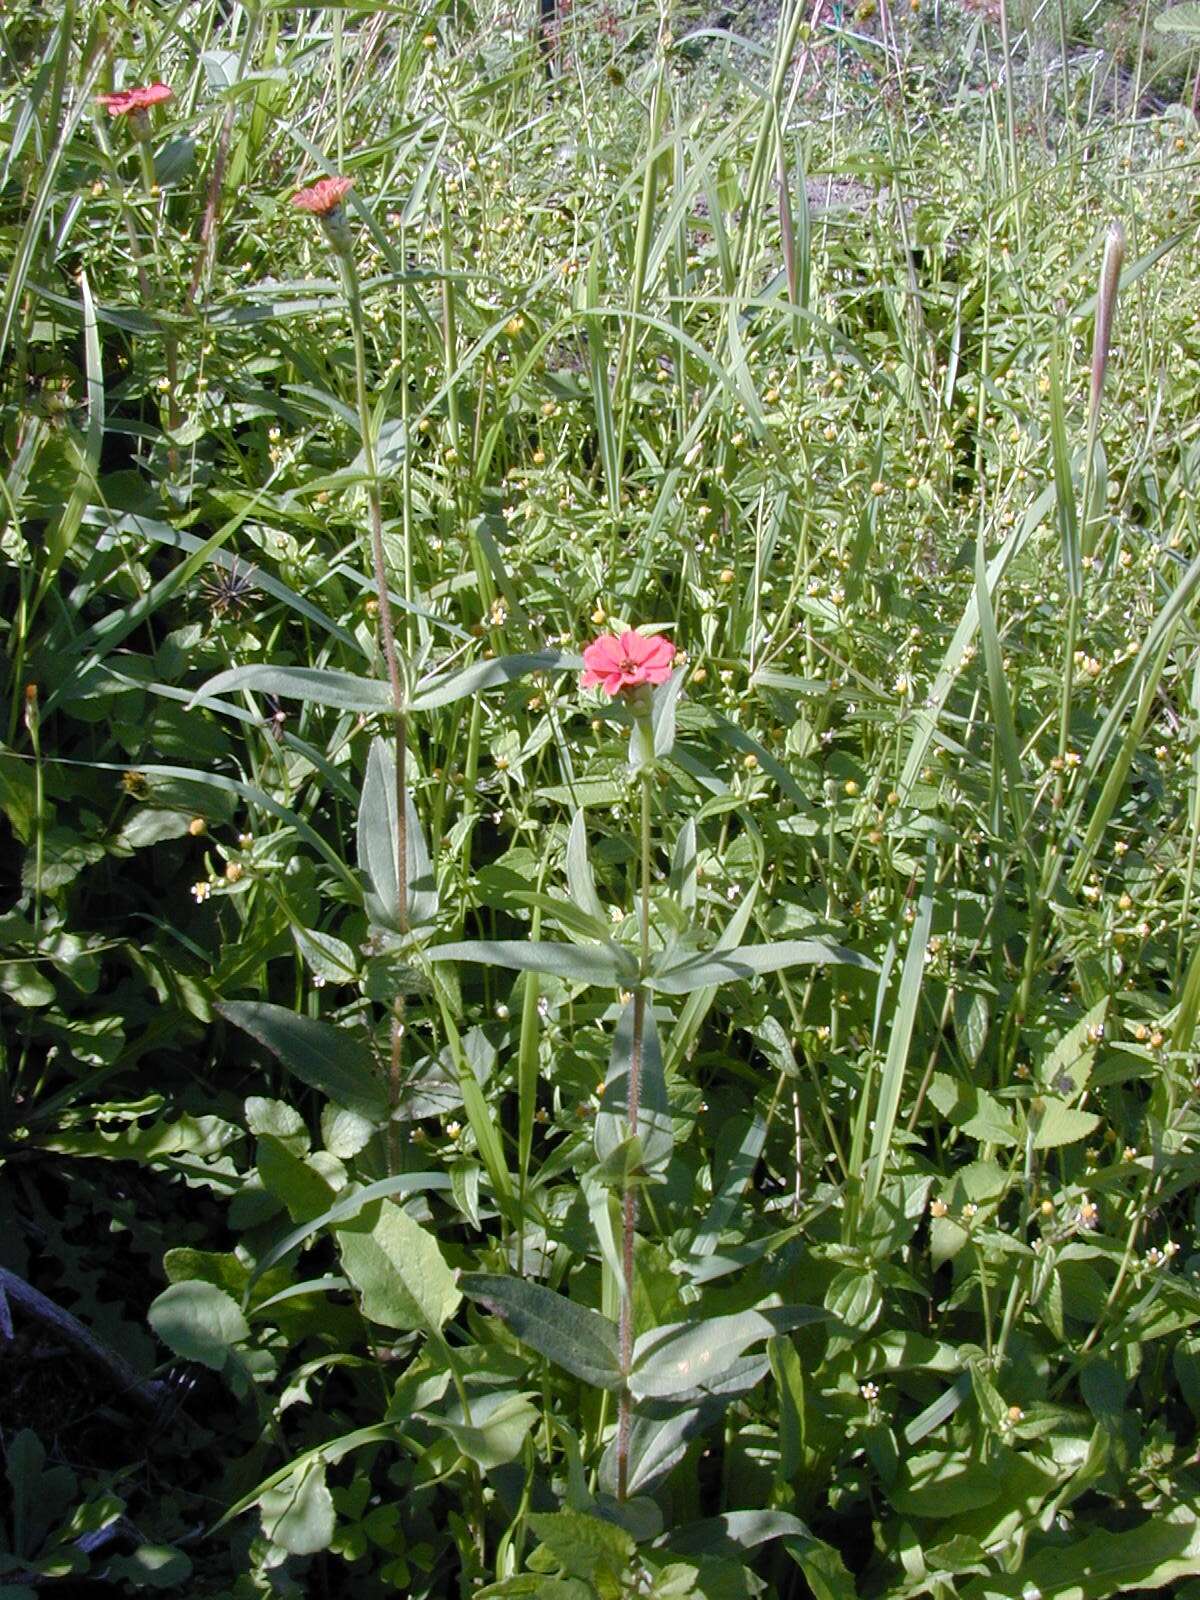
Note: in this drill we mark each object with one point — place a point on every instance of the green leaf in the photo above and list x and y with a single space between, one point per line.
496 1434
903 1019
1092 1566
320 686
736 1532
40 1495
297 1514
344 1133
1179 19
199 1322
577 1339
944 1483
150 1566
525 1586
666 697
579 872
680 1356
823 1568
1055 1123
324 1057
593 963
971 1024
1068 1067
705 970
378 836
303 1190
329 959
854 1298
187 1135
406 1183
275 1117
1064 481
472 680
683 866
398 1269
657 1444
732 1186
977 1113
654 1130
584 1546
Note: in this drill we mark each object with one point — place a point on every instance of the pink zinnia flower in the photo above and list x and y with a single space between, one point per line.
129 101
323 197
627 662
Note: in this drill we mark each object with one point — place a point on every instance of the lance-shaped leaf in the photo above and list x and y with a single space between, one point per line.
657 1444
320 686
378 842
575 1338
324 1057
613 1126
682 1356
666 698
683 866
593 963
445 689
579 871
398 1269
709 968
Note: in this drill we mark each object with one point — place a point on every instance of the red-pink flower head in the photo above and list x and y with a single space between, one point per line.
132 101
626 662
324 197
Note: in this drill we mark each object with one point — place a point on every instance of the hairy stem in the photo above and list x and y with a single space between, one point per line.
629 1218
387 637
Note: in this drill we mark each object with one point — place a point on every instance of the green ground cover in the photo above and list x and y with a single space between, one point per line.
496 1134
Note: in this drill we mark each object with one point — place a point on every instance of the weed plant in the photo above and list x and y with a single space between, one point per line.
727 1130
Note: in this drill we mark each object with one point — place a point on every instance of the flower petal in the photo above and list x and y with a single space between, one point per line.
659 653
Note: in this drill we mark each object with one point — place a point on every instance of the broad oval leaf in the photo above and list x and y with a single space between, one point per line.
297 1514
575 1338
398 1269
199 1322
496 1434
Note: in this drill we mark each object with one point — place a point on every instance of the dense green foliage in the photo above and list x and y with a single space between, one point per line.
850 990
